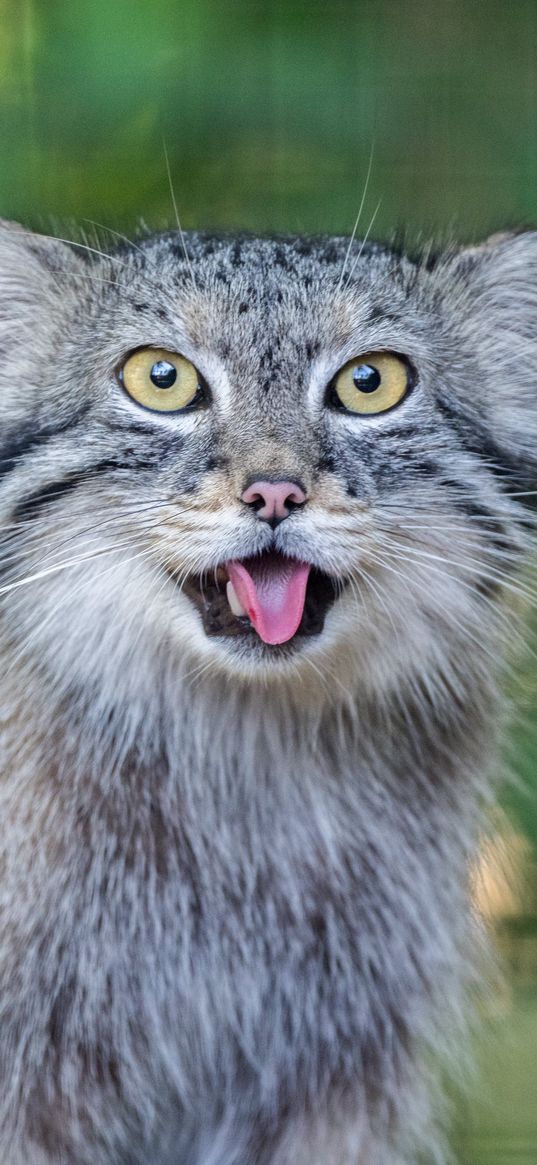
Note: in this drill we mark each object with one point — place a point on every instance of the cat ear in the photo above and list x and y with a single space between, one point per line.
31 267
495 286
37 294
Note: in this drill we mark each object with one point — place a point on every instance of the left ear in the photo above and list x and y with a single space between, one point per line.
493 292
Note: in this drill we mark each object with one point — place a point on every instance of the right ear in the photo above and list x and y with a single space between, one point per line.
36 296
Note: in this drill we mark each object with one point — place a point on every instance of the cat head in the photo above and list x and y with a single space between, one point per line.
270 457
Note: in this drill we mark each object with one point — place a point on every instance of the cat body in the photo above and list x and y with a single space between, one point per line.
235 925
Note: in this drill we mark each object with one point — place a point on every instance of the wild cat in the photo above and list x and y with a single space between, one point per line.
262 501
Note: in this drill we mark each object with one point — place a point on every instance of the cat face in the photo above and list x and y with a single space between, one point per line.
256 456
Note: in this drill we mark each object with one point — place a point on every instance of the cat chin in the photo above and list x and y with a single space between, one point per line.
305 660
239 656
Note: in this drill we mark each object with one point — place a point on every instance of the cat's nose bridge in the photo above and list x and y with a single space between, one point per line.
273 499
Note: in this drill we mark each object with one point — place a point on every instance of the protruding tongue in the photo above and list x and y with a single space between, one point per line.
272 591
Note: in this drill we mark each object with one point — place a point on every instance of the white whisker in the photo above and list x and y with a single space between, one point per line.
82 246
176 212
363 243
358 216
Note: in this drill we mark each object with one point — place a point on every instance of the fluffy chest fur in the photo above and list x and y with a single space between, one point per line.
212 924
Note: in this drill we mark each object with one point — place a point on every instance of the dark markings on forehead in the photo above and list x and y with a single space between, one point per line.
285 252
380 313
177 249
30 438
235 254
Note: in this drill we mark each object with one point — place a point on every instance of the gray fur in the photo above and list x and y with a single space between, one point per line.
234 915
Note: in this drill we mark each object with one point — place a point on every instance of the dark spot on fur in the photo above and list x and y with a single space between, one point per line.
235 254
406 433
489 588
326 463
282 258
304 246
243 307
330 254
177 249
191 485
216 462
430 259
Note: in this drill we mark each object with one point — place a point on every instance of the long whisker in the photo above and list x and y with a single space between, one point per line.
475 568
413 584
176 212
30 640
39 574
358 216
375 587
117 234
482 541
363 243
103 523
499 615
87 278
167 573
82 246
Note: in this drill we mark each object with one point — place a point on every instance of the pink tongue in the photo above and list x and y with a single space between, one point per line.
273 592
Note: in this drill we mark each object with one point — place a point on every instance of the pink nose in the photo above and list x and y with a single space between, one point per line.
274 500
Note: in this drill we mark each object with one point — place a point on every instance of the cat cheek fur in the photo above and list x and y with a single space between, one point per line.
235 922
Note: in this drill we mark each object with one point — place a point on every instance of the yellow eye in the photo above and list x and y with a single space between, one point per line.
372 383
160 380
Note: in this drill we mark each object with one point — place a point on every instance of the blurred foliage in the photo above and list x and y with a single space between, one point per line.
269 109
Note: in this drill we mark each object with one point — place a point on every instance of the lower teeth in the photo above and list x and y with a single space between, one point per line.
233 601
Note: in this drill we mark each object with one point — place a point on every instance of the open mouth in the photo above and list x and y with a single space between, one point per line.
275 596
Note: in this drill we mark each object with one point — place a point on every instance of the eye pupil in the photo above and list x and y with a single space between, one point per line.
366 378
163 374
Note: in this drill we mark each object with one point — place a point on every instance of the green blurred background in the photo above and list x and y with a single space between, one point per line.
270 110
